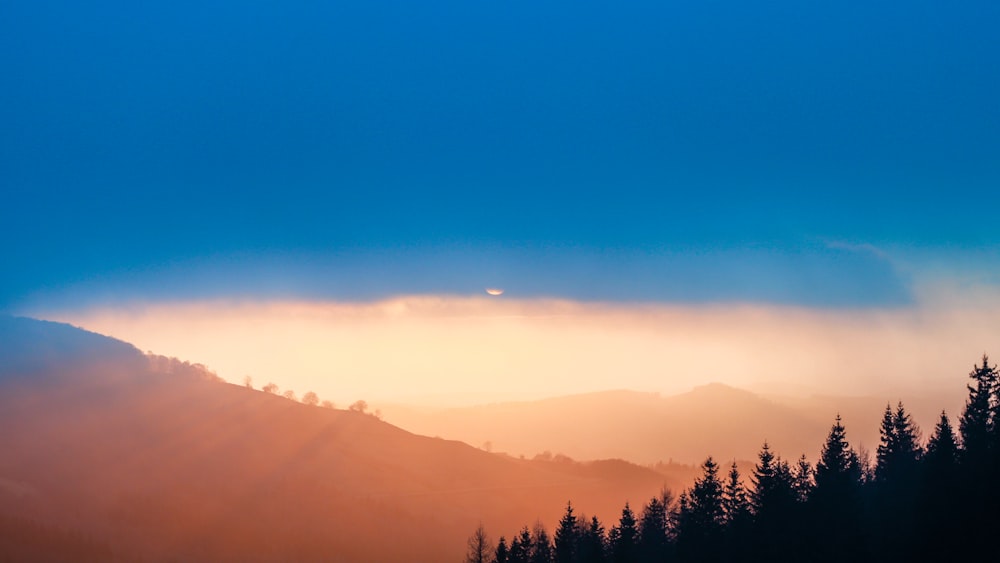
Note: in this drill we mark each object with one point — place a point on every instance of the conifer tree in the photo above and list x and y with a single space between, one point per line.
976 422
701 518
593 544
899 451
541 546
623 537
836 499
502 553
653 541
802 479
520 547
738 518
567 537
938 525
735 500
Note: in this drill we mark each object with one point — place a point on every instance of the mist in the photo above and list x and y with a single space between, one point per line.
446 350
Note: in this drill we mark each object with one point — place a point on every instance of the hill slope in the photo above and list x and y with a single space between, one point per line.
162 461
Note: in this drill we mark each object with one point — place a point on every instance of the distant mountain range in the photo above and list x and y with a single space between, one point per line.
160 460
647 428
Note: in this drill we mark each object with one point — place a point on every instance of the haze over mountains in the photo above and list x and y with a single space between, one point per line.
159 459
712 419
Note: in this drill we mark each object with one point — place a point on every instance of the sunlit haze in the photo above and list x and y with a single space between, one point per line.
462 350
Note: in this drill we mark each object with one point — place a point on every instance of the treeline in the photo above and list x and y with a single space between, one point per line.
915 501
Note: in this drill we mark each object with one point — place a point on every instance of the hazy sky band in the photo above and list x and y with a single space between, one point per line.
736 140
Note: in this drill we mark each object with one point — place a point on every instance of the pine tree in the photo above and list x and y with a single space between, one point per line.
541 546
567 537
938 525
520 548
623 538
836 499
802 479
702 517
976 422
735 500
736 507
896 479
593 544
502 552
899 451
653 542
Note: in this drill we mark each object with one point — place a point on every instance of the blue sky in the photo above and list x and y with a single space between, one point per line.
663 151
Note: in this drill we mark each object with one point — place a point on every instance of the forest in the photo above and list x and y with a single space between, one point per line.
933 500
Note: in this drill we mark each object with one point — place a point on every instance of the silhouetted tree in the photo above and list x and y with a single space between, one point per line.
895 480
898 453
541 546
802 479
248 382
270 388
836 499
772 501
480 549
520 548
702 518
502 551
359 406
623 538
939 494
653 541
593 544
567 537
310 399
290 395
736 508
975 424
326 404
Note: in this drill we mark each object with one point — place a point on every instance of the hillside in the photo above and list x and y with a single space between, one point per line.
160 460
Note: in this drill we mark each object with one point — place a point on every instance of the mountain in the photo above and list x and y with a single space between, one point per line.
647 428
157 459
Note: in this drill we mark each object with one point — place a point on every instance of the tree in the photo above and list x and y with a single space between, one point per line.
899 451
802 479
326 404
310 399
623 537
479 546
290 395
976 422
836 500
938 525
702 518
502 553
541 546
653 541
358 406
520 548
896 478
593 544
567 537
248 382
735 500
270 388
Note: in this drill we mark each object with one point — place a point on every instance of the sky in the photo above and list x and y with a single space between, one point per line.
836 158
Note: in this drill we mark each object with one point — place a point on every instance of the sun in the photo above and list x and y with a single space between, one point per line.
494 291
